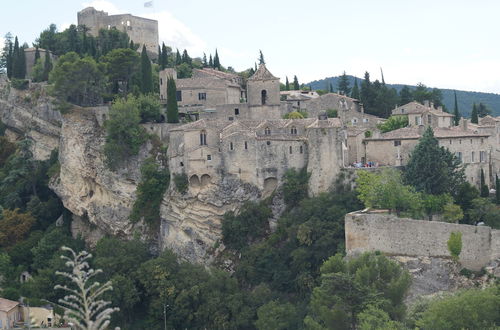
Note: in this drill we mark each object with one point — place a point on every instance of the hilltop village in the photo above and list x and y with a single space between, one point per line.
216 199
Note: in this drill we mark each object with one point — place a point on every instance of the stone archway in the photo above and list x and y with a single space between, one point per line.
270 185
205 180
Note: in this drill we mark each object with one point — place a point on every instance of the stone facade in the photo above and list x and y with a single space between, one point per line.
29 53
407 237
424 114
142 31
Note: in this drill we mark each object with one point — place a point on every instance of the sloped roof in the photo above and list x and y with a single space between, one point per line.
414 133
6 304
262 73
216 73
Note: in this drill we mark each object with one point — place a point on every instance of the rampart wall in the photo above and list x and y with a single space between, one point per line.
401 236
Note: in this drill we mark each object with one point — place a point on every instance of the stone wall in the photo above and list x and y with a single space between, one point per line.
406 237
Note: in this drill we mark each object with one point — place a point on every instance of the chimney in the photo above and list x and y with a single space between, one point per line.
465 124
431 105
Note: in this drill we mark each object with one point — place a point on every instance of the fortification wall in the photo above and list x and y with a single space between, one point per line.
401 236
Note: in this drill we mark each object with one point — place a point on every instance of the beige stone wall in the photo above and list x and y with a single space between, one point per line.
255 88
408 237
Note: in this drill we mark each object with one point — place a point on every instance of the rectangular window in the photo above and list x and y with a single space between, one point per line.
178 95
246 145
472 157
397 143
231 118
290 149
161 81
482 156
459 156
416 121
202 96
209 157
231 146
236 111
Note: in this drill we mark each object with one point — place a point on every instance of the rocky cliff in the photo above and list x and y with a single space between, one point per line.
30 113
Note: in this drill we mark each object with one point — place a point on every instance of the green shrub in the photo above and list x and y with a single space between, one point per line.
368 134
393 123
455 244
332 113
21 84
181 182
295 115
295 186
251 223
154 182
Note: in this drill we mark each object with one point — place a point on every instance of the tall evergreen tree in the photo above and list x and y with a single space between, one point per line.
186 58
296 85
456 113
204 61
164 56
367 94
210 62
485 191
172 109
6 55
178 58
37 55
473 116
497 188
355 90
47 66
405 95
132 45
216 60
16 72
146 72
330 89
261 58
22 63
433 169
287 84
343 85
482 110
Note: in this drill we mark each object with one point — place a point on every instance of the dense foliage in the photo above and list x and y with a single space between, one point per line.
392 123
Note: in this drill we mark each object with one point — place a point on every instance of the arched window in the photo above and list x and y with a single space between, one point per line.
231 146
267 131
263 96
203 138
293 130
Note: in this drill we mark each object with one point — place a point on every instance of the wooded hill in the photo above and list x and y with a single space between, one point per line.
465 98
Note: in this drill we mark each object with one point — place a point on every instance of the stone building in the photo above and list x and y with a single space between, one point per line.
142 31
10 313
258 152
29 53
424 114
216 95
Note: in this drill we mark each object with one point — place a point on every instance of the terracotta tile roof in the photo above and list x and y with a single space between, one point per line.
413 133
204 82
6 304
216 73
262 73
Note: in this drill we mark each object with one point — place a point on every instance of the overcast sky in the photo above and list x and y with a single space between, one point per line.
441 43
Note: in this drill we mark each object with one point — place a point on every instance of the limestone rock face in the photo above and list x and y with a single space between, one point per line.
85 185
30 113
191 223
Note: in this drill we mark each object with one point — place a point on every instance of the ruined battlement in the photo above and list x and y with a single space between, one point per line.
419 238
143 31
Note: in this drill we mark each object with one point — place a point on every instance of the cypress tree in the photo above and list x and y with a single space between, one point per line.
433 169
164 56
485 191
178 58
37 55
405 95
47 66
331 88
287 84
367 93
146 73
497 188
204 61
15 60
186 58
474 117
10 58
261 58
159 55
355 90
172 109
343 85
255 67
456 113
132 46
210 62
216 60
22 63
296 85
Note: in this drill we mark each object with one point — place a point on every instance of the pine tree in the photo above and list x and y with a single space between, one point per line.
6 55
367 94
22 63
343 85
164 56
497 188
456 113
178 58
355 90
205 63
146 72
15 60
210 62
474 117
37 55
485 191
47 66
405 95
287 84
216 60
186 58
482 110
296 85
172 109
433 169
261 58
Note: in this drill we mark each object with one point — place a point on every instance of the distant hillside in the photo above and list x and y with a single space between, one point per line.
465 99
